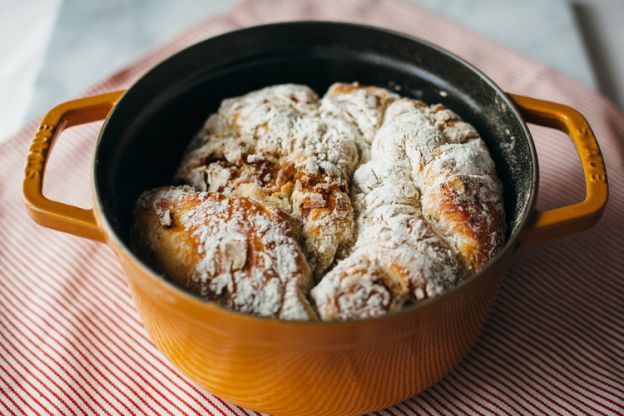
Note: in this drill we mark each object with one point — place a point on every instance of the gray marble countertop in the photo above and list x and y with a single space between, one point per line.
84 41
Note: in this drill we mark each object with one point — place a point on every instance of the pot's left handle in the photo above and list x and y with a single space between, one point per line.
53 214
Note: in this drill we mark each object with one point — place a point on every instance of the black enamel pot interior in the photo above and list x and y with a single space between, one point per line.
153 123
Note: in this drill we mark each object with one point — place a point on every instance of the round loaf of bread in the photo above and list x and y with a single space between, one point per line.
384 200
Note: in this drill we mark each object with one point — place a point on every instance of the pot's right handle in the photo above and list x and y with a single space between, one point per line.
574 218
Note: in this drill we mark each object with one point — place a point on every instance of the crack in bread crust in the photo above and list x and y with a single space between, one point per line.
277 146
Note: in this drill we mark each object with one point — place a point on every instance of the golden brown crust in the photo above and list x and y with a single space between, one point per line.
462 207
397 258
166 246
461 196
273 145
361 287
363 106
228 249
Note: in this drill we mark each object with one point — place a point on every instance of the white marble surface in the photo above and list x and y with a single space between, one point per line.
544 30
66 45
22 60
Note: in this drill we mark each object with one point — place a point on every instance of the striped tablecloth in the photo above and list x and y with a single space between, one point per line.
71 341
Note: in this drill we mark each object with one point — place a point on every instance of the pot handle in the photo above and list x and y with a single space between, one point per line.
574 218
53 214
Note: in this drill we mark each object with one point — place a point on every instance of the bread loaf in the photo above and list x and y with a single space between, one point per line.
384 200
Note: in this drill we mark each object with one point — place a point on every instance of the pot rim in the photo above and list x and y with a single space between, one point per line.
510 245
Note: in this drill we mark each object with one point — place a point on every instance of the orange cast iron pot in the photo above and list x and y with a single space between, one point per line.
305 368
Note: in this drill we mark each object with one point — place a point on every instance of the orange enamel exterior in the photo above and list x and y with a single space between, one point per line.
313 368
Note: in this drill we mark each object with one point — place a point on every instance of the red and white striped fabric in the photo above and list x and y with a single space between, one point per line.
72 343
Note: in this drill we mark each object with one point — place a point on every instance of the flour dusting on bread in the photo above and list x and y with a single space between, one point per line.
382 201
238 252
